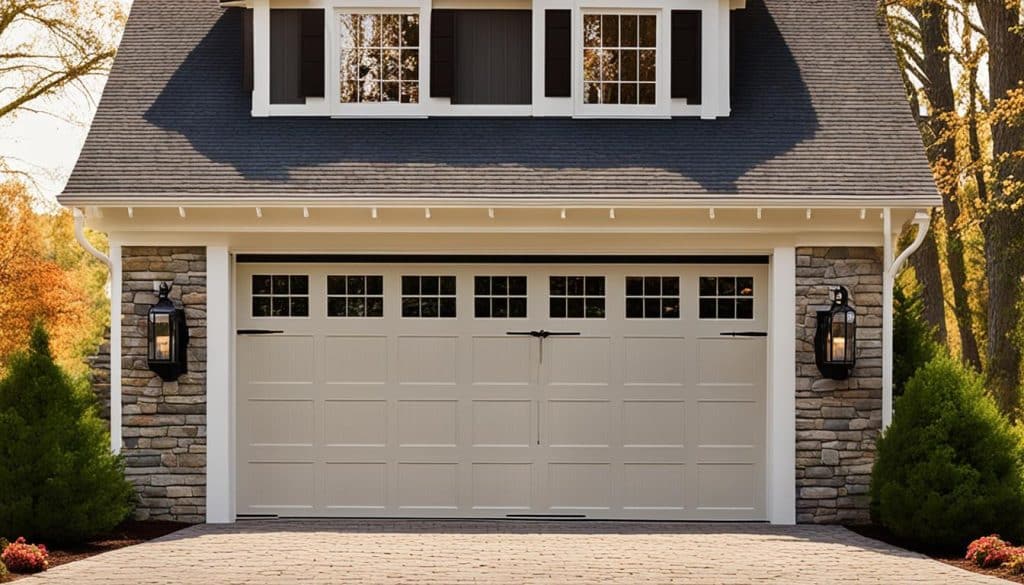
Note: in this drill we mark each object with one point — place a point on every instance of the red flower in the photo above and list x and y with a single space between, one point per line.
21 557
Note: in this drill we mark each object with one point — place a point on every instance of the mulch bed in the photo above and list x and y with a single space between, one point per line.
954 558
128 534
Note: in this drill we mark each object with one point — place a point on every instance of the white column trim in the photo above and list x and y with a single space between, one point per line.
781 441
220 489
116 290
261 57
888 283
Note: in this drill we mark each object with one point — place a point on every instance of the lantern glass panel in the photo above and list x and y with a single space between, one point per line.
161 346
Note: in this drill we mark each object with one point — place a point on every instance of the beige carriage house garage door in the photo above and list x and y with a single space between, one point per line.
473 388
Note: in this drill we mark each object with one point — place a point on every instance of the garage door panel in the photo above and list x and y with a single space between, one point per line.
578 423
502 423
428 423
278 359
727 486
579 486
279 485
582 361
281 423
728 424
730 361
502 361
355 486
640 418
654 423
502 486
355 423
428 360
655 361
428 485
358 359
654 486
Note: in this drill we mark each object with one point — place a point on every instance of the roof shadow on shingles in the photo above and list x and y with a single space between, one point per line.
772 113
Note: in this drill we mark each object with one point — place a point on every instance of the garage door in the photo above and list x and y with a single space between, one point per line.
502 390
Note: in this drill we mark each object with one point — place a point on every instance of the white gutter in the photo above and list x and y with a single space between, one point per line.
85 243
529 200
115 327
922 219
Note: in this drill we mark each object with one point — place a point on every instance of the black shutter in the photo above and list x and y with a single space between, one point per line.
312 53
247 58
686 55
442 53
558 53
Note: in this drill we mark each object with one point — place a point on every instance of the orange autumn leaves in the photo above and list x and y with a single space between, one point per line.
43 275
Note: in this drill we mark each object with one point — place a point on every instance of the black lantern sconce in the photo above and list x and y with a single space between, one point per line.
168 337
835 341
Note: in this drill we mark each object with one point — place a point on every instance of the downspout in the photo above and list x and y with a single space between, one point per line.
115 333
85 243
922 219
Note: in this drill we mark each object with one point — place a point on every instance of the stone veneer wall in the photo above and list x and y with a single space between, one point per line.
164 423
99 375
837 423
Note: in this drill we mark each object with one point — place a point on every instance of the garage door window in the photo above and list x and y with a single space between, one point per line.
652 297
577 297
355 296
428 297
499 297
280 295
726 297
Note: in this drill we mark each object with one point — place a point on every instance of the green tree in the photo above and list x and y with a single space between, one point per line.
949 468
914 343
59 482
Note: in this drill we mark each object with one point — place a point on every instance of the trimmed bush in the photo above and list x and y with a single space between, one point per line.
913 341
25 558
59 481
948 468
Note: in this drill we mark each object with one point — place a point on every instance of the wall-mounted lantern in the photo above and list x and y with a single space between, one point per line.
835 341
168 337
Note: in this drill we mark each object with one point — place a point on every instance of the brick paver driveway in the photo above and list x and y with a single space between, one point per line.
438 552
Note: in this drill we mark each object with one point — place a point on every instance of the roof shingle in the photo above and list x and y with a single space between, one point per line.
818 113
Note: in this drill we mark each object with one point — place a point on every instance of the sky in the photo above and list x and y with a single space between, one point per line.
46 145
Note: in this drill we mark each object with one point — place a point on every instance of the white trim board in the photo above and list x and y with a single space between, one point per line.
220 431
781 445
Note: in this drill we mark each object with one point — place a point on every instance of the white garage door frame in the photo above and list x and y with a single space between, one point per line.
780 407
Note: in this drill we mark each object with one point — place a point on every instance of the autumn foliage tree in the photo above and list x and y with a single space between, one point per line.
45 276
963 64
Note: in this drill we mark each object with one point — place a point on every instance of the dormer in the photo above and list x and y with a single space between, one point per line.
421 58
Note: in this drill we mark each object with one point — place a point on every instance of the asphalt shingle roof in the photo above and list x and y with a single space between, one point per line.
819 113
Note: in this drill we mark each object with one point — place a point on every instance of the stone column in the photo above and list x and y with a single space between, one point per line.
164 423
838 422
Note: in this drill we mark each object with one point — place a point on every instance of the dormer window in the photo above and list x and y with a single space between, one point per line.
423 58
379 58
620 54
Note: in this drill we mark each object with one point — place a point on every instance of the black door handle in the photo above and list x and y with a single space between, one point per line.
542 334
559 333
745 334
258 332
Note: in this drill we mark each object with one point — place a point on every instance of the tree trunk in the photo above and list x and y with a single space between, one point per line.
942 152
926 266
1004 225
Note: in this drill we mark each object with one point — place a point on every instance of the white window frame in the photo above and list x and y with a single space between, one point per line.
715 85
386 109
661 107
